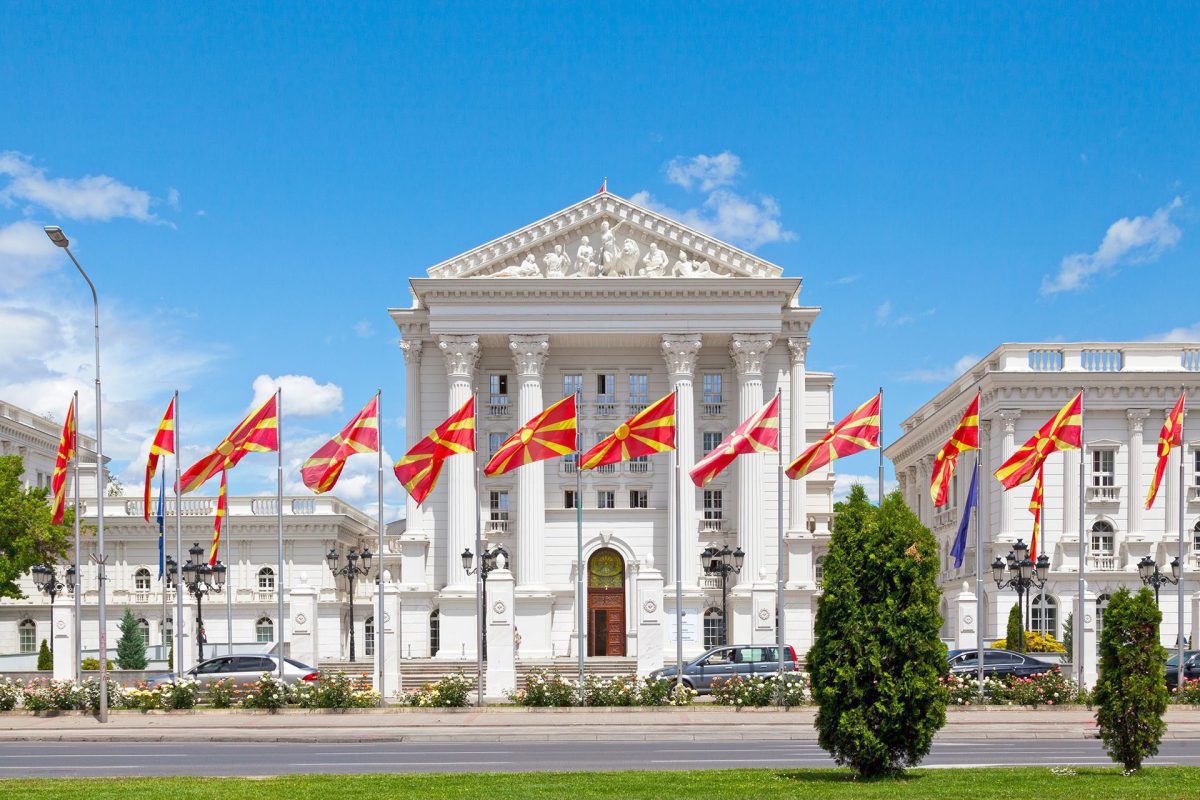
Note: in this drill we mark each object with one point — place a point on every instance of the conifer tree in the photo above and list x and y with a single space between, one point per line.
878 659
131 647
45 657
1012 635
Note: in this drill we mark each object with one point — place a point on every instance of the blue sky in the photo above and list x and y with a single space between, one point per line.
250 188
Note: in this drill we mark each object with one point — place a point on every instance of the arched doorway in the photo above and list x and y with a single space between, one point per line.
606 603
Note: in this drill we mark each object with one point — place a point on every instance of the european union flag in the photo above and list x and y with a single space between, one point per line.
959 550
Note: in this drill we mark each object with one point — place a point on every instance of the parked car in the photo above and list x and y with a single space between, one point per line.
996 663
241 669
1191 667
725 662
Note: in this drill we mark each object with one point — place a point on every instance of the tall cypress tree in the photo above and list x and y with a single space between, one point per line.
131 647
878 659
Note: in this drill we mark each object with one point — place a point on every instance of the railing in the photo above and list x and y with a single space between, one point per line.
141 596
1193 494
1104 563
605 469
264 506
1104 494
637 404
712 525
710 583
946 517
568 466
1104 360
638 467
1189 359
265 595
1045 360
605 405
712 408
497 525
304 505
498 406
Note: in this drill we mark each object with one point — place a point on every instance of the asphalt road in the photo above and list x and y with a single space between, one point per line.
84 759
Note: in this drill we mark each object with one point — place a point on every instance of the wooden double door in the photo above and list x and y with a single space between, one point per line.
606 604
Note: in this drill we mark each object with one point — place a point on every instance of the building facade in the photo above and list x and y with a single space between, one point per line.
1128 388
618 305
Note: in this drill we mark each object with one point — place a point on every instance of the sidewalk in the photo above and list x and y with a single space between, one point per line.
526 725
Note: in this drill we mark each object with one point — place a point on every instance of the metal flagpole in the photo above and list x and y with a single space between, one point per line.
881 447
380 652
479 609
1182 543
162 553
779 615
675 476
78 573
279 581
580 611
980 493
229 586
1081 610
179 627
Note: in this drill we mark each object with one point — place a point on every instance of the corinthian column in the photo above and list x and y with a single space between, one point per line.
748 351
798 519
680 351
412 419
529 355
1008 420
1133 493
462 505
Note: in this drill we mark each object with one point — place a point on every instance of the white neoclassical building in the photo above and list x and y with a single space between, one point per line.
1128 390
619 305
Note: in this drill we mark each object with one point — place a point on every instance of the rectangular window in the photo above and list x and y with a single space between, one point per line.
639 498
606 499
569 499
713 506
1103 472
498 505
572 384
498 385
712 388
1196 467
498 395
606 384
606 395
711 440
639 388
28 637
494 441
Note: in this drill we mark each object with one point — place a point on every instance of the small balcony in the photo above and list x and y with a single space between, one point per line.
1104 494
497 525
498 406
1102 563
637 404
712 407
605 469
1193 494
638 467
712 525
604 405
569 465
710 583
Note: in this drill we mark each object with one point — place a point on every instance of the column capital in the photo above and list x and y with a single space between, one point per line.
461 352
412 351
680 351
529 352
1137 418
1009 417
748 350
798 347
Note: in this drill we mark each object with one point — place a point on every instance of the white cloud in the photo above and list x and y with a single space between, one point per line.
363 328
1127 241
944 374
173 198
1188 334
92 197
302 396
843 483
883 312
884 317
729 216
709 172
845 280
25 253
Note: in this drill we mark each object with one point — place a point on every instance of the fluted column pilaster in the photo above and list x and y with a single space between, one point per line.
1008 444
412 349
462 503
798 490
1134 494
529 356
680 351
748 352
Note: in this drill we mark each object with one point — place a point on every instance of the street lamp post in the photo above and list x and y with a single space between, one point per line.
1152 576
350 571
199 579
1023 574
46 580
60 239
489 564
724 563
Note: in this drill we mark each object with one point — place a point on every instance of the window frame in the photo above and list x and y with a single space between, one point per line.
639 498
27 627
260 625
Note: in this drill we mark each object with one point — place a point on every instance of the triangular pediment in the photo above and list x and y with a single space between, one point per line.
623 239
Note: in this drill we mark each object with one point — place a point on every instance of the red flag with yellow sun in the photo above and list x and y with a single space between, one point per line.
650 431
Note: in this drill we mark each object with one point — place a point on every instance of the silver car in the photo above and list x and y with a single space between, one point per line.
242 669
722 663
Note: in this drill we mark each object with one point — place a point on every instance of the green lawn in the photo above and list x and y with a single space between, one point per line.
1161 783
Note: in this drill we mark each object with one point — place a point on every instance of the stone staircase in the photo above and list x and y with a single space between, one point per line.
417 672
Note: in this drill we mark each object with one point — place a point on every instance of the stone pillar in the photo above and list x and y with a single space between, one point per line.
413 425
387 657
462 506
797 490
1171 491
1195 634
1085 633
763 596
62 632
966 635
748 352
305 626
501 655
1008 419
650 639
1134 497
680 351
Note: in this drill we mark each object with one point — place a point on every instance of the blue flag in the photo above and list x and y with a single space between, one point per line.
162 565
959 550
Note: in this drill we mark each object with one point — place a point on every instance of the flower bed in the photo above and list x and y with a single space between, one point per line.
548 689
759 691
1189 694
1047 689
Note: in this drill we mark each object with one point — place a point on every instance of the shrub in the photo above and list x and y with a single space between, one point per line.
451 691
45 657
269 693
131 647
94 664
962 689
336 690
12 693
544 689
48 695
1068 640
1189 693
142 698
1035 642
619 691
220 693
877 663
658 692
1131 691
89 694
180 694
1012 632
758 691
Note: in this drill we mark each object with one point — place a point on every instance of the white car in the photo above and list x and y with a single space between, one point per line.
242 669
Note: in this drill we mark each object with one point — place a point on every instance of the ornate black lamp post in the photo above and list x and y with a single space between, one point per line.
351 570
199 579
1022 575
723 562
46 580
489 564
1151 576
